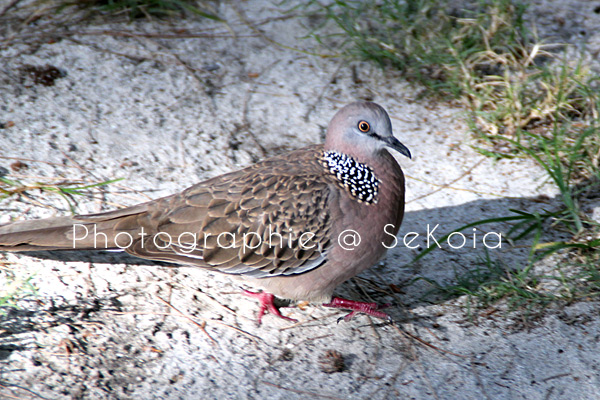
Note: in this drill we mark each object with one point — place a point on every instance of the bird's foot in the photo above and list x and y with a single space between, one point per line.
358 307
267 304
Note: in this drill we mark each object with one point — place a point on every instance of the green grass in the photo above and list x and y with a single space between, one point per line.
522 98
13 289
526 291
11 188
79 10
489 282
144 8
448 51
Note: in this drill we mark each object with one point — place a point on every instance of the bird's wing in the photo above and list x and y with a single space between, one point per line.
267 220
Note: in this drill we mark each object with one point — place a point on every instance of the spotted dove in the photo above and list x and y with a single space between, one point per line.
295 225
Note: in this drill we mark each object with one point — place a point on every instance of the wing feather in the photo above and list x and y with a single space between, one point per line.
248 222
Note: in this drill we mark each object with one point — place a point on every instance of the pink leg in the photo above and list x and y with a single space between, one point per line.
358 307
266 303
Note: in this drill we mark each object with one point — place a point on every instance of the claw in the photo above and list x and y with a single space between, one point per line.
267 304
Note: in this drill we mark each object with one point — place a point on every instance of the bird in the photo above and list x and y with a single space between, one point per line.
293 226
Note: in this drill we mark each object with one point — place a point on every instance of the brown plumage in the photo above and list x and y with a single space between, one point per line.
276 223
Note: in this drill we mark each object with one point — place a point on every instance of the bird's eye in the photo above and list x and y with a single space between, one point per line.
364 126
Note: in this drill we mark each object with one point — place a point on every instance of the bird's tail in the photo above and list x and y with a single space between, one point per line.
109 230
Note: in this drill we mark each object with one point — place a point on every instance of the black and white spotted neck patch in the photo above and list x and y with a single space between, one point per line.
359 179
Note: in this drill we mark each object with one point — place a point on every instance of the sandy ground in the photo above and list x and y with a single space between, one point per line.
166 113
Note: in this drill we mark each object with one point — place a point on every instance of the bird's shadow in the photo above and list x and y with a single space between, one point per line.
409 284
95 256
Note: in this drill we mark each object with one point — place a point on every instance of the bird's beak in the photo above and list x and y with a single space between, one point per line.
395 144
